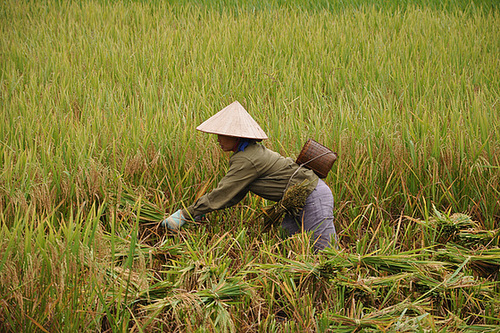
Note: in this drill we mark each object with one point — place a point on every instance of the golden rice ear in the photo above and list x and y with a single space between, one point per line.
235 121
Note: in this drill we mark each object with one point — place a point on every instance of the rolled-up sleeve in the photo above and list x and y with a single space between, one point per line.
231 189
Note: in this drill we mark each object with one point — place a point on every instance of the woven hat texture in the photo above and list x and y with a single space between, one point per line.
233 120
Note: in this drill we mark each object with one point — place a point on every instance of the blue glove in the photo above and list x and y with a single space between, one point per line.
174 221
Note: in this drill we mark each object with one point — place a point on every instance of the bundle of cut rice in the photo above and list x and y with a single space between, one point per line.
135 206
462 230
292 203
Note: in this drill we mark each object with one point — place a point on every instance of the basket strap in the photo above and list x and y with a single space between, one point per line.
312 159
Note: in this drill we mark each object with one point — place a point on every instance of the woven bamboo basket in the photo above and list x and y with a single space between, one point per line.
316 157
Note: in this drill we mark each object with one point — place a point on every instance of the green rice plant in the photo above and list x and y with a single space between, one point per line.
325 93
98 107
44 275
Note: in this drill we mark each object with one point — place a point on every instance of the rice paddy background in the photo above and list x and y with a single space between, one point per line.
99 104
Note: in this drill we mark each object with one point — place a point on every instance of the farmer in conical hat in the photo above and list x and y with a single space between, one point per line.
254 168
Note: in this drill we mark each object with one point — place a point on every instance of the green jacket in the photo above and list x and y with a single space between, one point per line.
258 170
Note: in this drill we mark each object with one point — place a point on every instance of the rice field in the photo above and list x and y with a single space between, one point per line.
99 103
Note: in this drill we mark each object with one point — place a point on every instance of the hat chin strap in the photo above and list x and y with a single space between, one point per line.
235 148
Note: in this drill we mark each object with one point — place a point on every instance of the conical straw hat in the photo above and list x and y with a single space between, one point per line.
233 120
